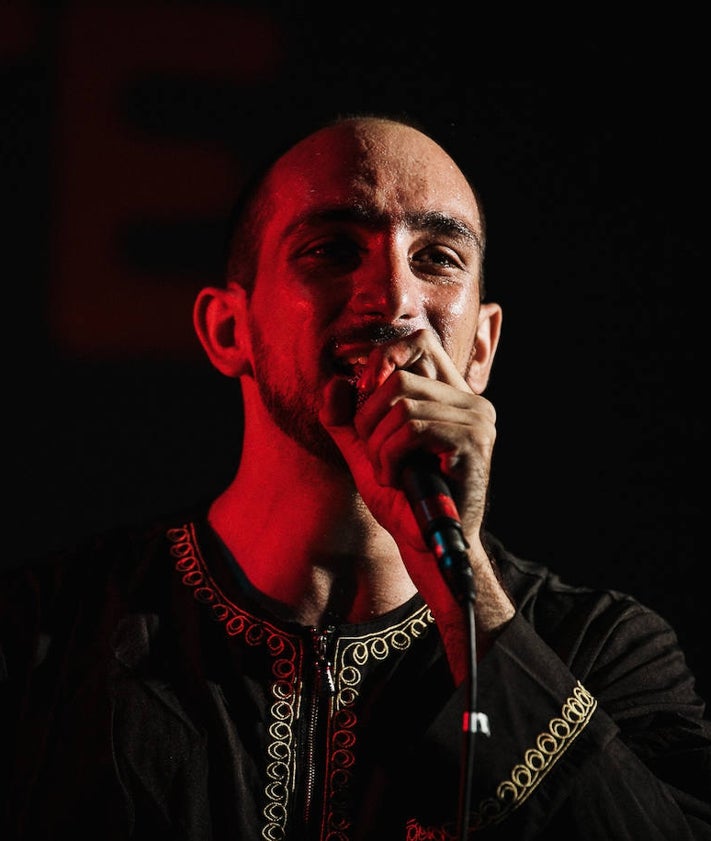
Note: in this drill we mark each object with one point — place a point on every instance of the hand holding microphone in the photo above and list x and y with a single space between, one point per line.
436 513
441 409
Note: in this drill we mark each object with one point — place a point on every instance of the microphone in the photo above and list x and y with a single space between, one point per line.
436 513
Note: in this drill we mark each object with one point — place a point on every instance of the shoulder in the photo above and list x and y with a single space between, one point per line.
540 592
113 568
587 624
619 647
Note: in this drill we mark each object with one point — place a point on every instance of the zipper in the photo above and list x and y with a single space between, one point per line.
324 689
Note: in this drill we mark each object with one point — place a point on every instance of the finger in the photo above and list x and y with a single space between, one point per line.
421 353
450 432
383 501
403 384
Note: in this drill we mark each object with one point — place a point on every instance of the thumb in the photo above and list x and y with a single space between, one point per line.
336 416
388 505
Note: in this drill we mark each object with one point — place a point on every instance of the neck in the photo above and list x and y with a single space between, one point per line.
303 537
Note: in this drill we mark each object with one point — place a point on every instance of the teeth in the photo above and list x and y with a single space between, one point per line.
357 360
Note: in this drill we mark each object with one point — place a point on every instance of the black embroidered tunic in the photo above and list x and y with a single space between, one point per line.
149 693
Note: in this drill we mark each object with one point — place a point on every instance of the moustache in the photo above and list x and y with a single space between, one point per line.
373 334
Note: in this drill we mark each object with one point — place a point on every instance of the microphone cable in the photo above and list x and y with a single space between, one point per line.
437 516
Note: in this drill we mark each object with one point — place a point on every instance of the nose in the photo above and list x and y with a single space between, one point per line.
386 289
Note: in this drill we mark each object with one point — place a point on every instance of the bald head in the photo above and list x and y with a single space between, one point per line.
374 164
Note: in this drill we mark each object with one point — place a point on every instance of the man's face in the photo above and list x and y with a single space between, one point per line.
372 233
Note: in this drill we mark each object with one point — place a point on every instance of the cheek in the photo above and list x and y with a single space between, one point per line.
279 312
456 323
286 330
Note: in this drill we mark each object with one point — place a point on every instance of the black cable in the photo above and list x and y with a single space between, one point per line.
449 548
437 516
470 724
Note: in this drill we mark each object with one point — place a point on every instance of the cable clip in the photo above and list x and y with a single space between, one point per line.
476 723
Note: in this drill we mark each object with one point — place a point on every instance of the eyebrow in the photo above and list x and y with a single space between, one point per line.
433 221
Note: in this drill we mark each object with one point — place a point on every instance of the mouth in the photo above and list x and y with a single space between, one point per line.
351 350
350 363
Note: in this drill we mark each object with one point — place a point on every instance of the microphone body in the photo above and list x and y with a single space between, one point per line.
436 513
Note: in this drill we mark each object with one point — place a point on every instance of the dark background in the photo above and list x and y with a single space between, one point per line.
126 129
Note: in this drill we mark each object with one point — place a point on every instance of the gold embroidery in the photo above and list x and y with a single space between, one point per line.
356 651
538 761
526 775
351 654
284 650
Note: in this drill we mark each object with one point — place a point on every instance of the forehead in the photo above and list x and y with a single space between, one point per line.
386 170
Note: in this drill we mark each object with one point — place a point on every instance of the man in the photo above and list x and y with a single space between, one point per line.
293 660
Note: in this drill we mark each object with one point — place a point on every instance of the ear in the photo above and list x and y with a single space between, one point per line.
487 340
220 321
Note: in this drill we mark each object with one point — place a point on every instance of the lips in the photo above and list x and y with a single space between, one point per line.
351 362
351 351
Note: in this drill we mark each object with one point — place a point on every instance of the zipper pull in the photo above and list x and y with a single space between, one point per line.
326 685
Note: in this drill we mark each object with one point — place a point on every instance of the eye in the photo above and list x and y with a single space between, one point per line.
337 254
438 260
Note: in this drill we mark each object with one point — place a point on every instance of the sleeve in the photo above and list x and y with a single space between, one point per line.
48 713
599 739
